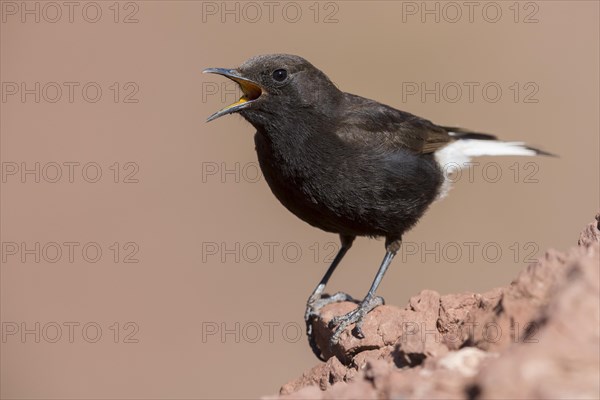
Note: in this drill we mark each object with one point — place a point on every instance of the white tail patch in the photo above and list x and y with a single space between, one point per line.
457 155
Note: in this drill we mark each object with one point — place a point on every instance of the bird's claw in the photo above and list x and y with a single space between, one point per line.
355 316
313 306
316 302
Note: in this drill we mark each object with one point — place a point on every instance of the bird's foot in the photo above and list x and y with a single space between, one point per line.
313 307
316 302
355 316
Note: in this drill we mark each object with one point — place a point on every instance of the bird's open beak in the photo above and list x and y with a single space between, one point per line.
251 90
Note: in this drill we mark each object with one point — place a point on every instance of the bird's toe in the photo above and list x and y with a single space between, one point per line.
314 305
356 316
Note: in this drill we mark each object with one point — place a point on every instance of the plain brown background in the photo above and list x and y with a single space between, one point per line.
176 293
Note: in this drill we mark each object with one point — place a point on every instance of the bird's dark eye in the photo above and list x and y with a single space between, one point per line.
279 75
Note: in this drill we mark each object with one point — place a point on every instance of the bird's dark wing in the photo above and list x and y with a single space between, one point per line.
366 121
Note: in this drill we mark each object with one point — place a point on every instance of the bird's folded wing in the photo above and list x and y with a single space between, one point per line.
372 123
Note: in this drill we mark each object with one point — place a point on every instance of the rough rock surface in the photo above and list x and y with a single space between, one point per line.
537 338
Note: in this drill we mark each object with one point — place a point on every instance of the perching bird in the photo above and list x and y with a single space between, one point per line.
347 164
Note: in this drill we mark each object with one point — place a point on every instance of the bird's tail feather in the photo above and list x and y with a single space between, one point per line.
484 144
457 154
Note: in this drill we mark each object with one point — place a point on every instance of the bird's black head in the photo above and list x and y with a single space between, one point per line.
278 87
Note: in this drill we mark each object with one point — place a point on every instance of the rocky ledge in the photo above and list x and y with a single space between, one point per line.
537 338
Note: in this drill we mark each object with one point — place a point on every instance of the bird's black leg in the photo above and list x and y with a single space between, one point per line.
369 302
316 301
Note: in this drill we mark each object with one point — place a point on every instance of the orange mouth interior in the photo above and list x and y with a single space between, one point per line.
251 92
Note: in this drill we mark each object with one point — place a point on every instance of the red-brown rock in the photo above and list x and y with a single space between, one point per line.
537 338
